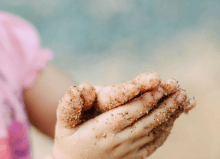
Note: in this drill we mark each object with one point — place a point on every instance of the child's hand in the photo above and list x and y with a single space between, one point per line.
115 134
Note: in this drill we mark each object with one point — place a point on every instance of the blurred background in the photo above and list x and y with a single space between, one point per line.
108 42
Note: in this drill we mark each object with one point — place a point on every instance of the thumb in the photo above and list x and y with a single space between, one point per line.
69 112
70 108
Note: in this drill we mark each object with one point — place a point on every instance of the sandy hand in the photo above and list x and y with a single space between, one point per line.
78 100
133 127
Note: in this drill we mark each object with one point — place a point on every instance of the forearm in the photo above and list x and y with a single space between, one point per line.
42 98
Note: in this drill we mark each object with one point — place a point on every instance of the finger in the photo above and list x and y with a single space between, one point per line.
147 138
88 94
164 110
138 148
69 112
141 142
191 105
149 148
166 126
160 134
117 119
98 88
147 81
70 108
129 148
113 96
170 86
156 117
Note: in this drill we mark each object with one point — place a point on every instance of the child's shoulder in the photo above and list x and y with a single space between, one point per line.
11 18
14 26
20 47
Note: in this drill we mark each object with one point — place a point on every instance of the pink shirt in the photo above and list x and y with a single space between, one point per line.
21 58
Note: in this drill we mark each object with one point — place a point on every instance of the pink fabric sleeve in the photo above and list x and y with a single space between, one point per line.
20 42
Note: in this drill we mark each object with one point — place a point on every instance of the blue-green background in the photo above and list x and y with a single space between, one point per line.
81 33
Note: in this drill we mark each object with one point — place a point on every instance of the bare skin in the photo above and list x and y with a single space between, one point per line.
74 102
88 94
115 134
42 106
113 96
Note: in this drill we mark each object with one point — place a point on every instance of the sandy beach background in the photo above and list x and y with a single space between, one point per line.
108 42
